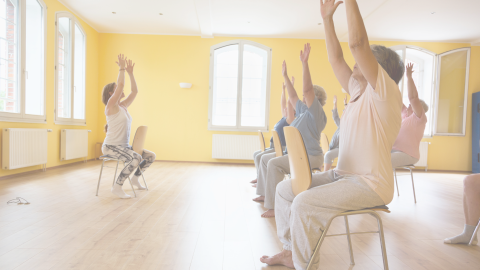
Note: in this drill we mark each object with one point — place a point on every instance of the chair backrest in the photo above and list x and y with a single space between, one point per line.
324 143
262 141
277 144
139 139
300 172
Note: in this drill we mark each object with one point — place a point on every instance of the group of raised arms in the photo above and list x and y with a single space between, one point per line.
378 134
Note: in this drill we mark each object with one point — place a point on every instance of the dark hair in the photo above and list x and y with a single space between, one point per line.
107 89
390 62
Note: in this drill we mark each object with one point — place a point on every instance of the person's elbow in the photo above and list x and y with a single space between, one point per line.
358 44
414 99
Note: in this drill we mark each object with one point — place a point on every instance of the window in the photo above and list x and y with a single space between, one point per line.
22 60
442 82
239 86
69 71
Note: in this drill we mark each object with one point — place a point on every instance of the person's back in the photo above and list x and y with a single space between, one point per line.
118 128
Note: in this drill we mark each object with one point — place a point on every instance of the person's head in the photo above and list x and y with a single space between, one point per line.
320 94
108 91
410 109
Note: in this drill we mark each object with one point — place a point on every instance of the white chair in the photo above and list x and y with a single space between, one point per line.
137 146
301 177
410 168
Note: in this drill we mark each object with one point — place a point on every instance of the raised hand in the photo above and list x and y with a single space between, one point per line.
293 80
284 86
130 66
328 8
284 69
121 61
410 70
305 53
334 100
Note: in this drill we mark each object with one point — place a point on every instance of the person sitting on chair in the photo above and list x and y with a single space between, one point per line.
406 149
370 125
116 143
288 115
332 153
310 121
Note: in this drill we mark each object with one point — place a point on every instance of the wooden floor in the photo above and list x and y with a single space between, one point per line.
200 216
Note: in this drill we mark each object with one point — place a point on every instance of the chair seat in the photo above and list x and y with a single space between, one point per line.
406 167
382 208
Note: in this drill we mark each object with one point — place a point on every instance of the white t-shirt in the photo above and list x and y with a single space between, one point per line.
370 126
118 131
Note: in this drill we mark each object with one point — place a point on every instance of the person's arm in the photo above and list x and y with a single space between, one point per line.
290 113
359 44
413 93
292 94
134 91
335 53
284 100
117 94
308 92
336 117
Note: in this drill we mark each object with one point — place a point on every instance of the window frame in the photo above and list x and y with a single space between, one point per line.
238 127
22 116
74 21
465 97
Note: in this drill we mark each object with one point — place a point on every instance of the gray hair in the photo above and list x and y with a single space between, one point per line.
424 105
390 62
321 94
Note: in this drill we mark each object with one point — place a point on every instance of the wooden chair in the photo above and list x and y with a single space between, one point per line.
277 144
262 141
301 177
324 143
410 168
137 146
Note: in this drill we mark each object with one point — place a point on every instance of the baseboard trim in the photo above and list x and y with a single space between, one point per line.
41 170
207 162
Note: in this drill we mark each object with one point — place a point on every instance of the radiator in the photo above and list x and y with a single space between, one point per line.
74 144
23 147
234 146
422 162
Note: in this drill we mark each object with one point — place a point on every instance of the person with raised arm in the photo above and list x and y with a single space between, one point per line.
310 121
288 115
406 149
332 153
363 177
116 143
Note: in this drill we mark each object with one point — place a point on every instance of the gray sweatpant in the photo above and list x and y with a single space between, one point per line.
257 155
272 172
331 155
302 219
399 159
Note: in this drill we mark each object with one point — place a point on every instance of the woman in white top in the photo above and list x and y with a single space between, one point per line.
118 129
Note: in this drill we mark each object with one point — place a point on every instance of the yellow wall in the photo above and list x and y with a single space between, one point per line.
177 118
91 94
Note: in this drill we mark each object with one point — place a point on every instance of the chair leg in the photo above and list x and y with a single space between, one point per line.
347 228
396 181
413 186
319 244
100 177
115 175
144 181
382 240
474 233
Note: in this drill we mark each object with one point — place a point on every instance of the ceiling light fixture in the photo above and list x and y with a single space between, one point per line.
160 13
319 23
433 13
114 13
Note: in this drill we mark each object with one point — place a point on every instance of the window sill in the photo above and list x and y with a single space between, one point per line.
23 120
64 123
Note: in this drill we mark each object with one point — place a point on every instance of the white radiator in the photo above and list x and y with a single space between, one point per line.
422 162
23 147
74 144
234 146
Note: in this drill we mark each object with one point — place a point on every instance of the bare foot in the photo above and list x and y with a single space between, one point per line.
259 199
253 181
254 185
283 258
269 213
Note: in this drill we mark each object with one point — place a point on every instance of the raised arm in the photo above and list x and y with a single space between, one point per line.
335 53
308 92
292 94
413 93
336 117
284 100
290 113
359 45
134 90
117 95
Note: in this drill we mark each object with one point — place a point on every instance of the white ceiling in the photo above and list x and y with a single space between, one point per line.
453 21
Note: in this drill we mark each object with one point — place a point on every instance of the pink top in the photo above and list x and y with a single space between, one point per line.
411 133
370 126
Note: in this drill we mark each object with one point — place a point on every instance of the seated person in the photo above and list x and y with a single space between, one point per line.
471 209
310 121
370 125
288 116
406 149
332 153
